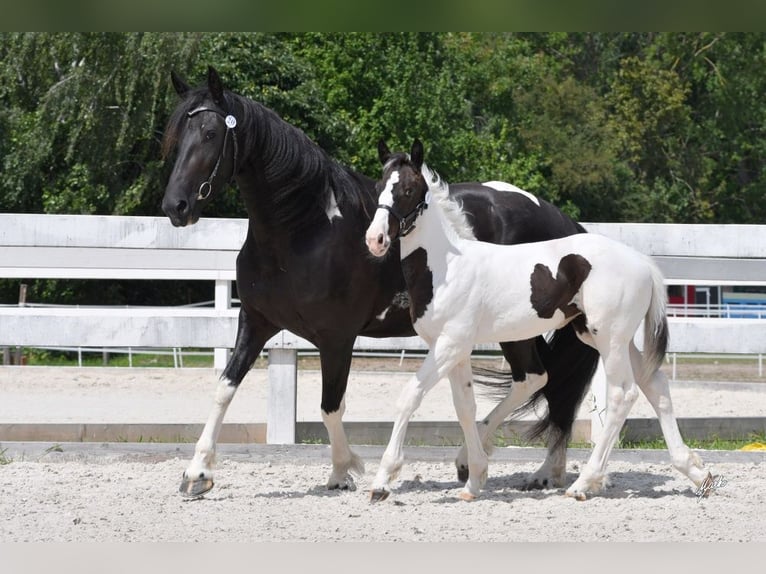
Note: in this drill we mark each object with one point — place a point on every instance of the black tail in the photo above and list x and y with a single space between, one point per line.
571 365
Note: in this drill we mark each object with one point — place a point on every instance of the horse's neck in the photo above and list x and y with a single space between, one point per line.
274 144
433 232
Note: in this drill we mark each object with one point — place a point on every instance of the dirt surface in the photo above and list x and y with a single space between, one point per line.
268 495
81 492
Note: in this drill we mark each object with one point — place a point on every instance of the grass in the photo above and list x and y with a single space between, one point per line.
4 459
713 443
43 358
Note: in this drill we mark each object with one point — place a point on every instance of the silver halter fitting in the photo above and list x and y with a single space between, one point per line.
206 187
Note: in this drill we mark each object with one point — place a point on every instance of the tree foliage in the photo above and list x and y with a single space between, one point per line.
665 127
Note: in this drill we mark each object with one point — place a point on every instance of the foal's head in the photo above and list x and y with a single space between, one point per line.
403 191
202 129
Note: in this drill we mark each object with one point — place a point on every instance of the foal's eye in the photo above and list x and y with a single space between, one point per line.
209 135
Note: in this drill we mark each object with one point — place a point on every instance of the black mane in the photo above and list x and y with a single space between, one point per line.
298 175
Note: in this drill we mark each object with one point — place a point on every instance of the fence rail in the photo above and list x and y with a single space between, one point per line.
149 248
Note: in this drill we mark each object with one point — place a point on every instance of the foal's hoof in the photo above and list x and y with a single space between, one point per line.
462 474
378 495
577 495
467 496
195 488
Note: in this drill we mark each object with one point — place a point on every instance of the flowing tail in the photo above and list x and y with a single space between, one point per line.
655 326
570 365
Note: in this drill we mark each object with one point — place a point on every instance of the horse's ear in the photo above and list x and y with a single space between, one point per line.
416 153
383 152
181 87
214 85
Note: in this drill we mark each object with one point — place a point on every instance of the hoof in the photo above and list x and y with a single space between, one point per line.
467 496
195 488
378 495
462 474
535 485
578 495
348 485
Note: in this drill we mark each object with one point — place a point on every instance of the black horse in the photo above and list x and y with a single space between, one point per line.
304 265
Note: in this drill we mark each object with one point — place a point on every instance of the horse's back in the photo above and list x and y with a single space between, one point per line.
501 215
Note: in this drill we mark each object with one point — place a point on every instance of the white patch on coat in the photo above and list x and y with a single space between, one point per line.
332 209
503 186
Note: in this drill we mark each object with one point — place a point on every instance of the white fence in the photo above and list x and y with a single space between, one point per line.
149 248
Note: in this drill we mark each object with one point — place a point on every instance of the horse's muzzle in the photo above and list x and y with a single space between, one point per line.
378 244
178 211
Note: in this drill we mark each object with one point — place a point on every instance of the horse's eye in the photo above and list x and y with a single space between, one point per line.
209 135
408 191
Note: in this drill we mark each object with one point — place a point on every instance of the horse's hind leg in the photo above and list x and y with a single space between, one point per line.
252 333
621 394
465 407
571 364
336 363
529 376
657 392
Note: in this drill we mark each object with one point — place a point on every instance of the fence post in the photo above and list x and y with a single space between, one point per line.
222 303
22 303
283 392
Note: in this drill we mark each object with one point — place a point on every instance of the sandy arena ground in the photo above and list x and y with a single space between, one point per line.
91 492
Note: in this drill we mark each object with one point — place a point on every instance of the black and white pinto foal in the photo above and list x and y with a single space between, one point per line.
464 292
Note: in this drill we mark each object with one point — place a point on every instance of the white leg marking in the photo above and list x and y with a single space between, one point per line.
552 472
345 464
201 466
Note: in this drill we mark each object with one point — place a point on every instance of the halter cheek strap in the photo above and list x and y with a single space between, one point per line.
206 187
406 222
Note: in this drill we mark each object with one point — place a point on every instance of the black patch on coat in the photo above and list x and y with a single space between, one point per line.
419 281
580 325
549 294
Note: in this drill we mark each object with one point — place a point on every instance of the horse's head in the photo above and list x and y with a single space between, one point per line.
202 131
403 197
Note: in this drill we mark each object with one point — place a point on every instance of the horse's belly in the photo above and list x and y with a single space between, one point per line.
501 327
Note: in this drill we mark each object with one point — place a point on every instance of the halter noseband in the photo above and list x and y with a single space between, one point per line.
206 187
406 222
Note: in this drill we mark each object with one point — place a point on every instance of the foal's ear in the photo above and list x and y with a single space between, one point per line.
416 153
383 152
214 85
181 87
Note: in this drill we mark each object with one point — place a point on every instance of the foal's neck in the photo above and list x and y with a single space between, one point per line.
433 231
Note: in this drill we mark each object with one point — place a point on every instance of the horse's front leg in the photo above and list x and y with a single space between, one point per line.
335 359
465 407
529 376
441 358
252 333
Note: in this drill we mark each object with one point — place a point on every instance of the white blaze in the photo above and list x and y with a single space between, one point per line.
379 225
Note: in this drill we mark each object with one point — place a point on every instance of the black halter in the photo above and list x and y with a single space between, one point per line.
406 222
206 187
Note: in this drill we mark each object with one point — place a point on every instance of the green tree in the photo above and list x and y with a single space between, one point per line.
81 116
